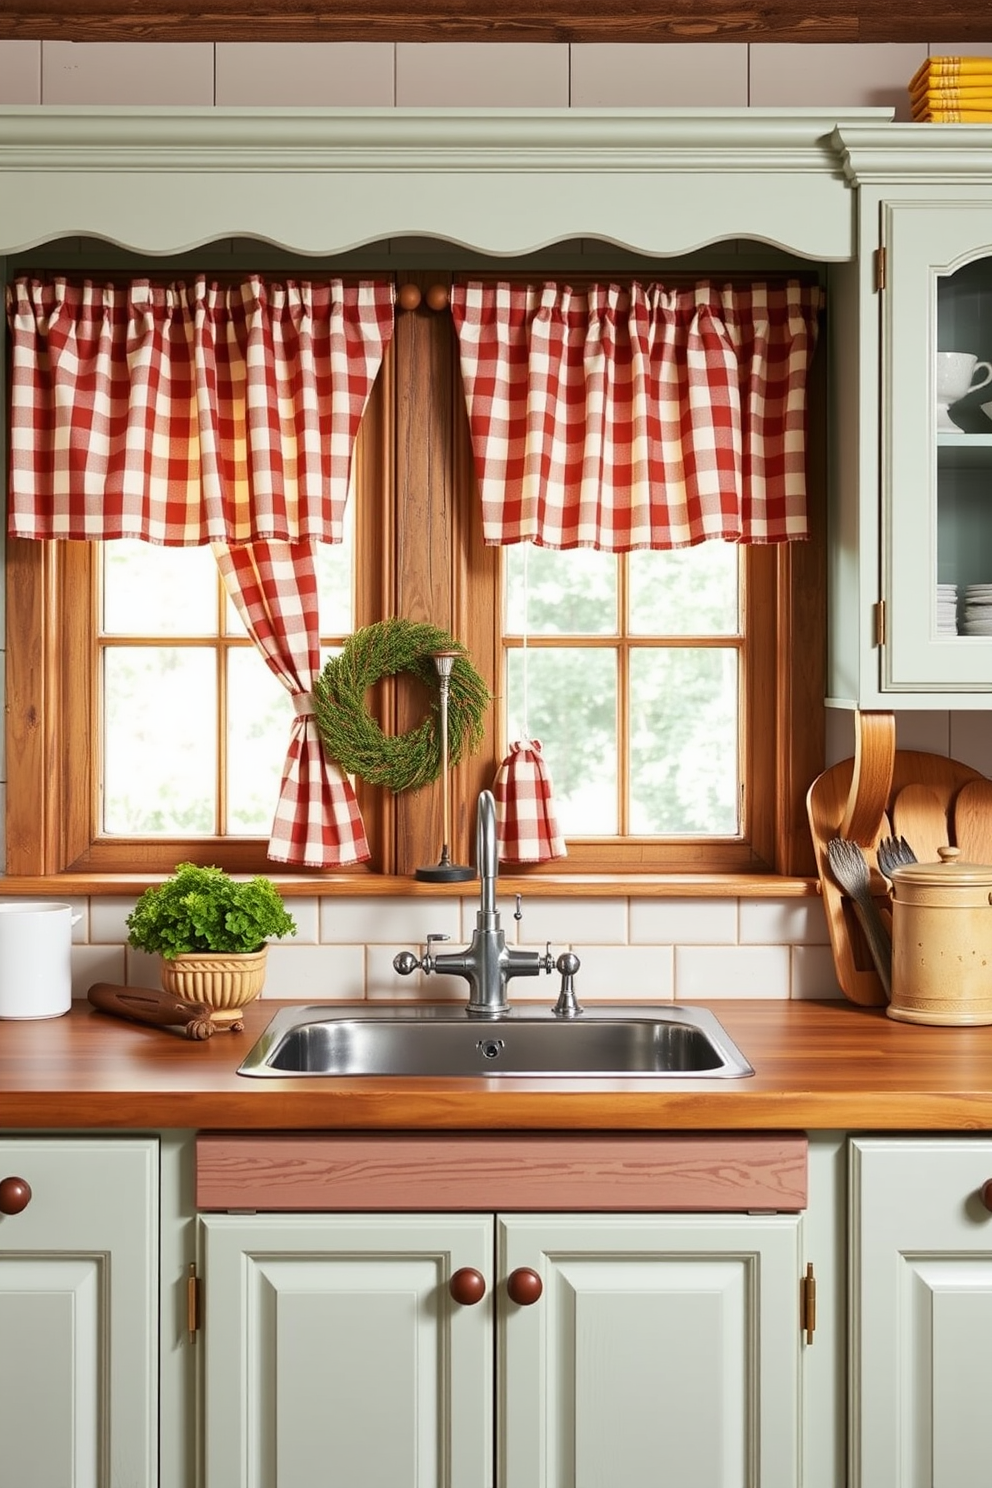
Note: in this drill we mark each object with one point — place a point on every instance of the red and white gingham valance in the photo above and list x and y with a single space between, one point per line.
637 417
187 414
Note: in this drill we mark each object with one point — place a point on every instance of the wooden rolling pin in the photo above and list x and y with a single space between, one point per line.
148 1005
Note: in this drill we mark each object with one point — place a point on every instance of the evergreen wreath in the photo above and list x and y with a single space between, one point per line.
351 736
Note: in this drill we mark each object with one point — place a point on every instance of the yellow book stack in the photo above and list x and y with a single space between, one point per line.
952 90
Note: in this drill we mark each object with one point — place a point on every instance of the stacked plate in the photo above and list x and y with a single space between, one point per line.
977 610
947 609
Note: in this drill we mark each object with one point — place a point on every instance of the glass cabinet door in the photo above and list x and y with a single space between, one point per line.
936 421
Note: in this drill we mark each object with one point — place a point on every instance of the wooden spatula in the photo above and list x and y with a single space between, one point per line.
917 815
973 821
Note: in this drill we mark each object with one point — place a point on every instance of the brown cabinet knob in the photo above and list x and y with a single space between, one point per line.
467 1286
15 1195
985 1193
524 1286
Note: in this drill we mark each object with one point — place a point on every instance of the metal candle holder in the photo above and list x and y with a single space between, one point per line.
445 871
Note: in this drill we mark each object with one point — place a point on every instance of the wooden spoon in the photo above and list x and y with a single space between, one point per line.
973 821
918 816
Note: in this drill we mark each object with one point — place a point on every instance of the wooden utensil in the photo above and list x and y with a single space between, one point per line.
827 800
146 1005
919 815
973 821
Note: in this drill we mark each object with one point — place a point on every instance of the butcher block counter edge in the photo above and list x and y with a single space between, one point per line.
818 1066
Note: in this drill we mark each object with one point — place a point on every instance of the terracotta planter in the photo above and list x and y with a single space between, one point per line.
225 982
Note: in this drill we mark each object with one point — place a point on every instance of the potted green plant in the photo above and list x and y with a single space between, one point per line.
211 932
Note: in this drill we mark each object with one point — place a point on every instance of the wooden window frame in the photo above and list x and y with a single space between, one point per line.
415 475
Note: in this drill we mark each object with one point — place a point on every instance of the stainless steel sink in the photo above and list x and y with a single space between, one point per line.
443 1040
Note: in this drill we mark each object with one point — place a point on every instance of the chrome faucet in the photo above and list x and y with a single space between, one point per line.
487 964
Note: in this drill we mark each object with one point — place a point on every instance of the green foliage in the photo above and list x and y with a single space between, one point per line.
203 909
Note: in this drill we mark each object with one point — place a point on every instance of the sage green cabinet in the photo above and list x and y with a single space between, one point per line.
911 516
653 1351
79 1312
920 1311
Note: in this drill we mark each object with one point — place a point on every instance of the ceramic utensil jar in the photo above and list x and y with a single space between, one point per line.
942 942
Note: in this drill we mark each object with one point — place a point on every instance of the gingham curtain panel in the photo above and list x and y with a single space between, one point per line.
526 825
189 413
637 417
274 587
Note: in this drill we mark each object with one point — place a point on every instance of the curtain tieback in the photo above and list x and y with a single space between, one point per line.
303 704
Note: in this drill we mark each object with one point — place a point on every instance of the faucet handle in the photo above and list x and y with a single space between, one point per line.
567 1005
406 962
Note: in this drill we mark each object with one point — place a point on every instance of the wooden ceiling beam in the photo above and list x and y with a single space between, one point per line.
837 21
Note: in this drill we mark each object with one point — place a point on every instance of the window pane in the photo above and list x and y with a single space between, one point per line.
158 591
573 593
683 743
158 745
259 719
336 585
685 591
572 694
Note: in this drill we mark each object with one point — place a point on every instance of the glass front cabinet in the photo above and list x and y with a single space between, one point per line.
911 557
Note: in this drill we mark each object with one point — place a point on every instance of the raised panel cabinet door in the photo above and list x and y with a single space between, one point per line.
79 1291
334 1355
921 1312
936 462
662 1352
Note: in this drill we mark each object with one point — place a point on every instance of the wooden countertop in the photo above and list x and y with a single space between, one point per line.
818 1065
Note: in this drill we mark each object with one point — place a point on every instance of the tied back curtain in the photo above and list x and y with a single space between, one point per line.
637 417
222 414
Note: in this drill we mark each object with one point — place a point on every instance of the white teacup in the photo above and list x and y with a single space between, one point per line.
956 372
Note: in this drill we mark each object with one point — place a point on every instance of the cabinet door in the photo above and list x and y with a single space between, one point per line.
334 1355
663 1352
79 1314
937 455
921 1312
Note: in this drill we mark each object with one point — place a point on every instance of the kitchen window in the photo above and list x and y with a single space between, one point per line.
419 554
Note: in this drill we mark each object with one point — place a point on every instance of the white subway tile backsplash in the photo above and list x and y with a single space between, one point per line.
578 922
683 921
108 918
306 913
127 72
659 75
971 740
924 730
480 75
20 71
711 972
312 972
813 974
307 74
782 921
142 970
394 921
96 963
617 974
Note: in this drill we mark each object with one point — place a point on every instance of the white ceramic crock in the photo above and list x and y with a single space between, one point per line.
35 958
942 942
